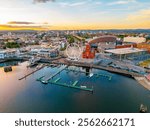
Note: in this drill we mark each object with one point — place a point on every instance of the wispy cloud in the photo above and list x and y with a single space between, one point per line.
17 22
122 2
43 1
75 4
98 3
142 15
15 27
68 4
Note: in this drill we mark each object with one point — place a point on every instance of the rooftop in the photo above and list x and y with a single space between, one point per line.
122 51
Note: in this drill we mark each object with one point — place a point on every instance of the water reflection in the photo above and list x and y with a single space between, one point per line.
121 94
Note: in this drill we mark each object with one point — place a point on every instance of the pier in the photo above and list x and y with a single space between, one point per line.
59 71
31 72
96 75
46 80
73 85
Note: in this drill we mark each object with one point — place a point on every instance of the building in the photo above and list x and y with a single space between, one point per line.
148 77
126 53
88 53
104 42
45 52
10 53
104 39
134 39
2 54
145 46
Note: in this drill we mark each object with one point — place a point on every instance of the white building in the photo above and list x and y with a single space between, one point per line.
45 52
8 53
2 54
134 39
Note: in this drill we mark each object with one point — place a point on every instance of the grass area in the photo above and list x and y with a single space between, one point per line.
145 63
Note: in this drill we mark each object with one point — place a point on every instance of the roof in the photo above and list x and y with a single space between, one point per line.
148 76
122 51
8 51
134 39
105 38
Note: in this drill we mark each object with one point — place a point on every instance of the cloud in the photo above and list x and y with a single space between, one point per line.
77 4
16 22
43 1
122 2
20 27
141 15
67 4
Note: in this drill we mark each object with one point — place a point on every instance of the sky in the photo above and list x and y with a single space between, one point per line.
74 14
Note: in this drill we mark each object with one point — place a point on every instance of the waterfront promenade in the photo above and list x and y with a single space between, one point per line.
144 82
139 77
90 65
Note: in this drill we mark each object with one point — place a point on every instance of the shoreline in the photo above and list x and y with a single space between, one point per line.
138 77
143 81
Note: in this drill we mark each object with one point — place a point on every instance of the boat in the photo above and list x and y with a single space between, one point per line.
143 109
44 82
83 86
53 65
39 66
7 68
91 74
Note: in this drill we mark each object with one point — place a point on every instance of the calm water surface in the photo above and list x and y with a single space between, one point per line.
121 94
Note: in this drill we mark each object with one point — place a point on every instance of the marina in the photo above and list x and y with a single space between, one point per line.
73 90
56 81
73 85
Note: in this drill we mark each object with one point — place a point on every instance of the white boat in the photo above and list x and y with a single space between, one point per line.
143 109
44 82
83 86
91 74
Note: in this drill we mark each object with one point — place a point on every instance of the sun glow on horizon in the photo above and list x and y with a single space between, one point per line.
74 15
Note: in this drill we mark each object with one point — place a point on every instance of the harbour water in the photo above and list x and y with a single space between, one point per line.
120 94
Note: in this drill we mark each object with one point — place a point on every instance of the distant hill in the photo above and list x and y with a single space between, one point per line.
98 30
26 31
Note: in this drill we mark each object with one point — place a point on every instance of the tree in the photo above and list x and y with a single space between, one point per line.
70 39
12 45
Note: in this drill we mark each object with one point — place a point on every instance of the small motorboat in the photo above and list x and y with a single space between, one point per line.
83 86
91 74
143 109
44 82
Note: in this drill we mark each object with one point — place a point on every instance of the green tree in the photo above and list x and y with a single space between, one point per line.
70 39
12 45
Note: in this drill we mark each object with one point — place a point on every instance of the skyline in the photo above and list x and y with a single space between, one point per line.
74 14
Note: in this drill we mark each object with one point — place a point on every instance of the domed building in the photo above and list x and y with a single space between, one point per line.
104 39
99 44
104 42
